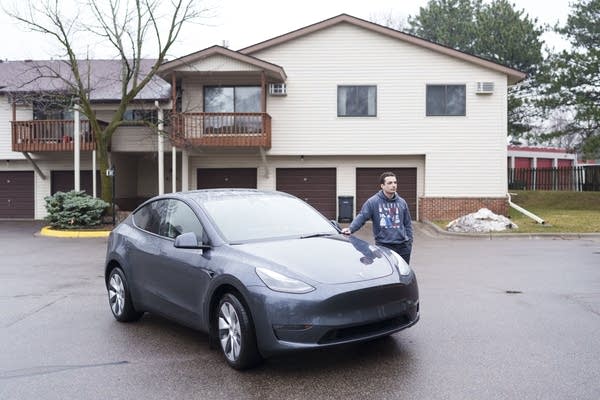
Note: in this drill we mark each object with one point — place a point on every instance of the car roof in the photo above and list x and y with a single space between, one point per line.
214 194
202 195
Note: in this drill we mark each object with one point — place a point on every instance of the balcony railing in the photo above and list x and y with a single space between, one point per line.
221 129
50 135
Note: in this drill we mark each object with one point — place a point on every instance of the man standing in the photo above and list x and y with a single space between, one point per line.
392 226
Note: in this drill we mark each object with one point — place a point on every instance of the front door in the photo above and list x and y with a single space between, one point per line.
174 280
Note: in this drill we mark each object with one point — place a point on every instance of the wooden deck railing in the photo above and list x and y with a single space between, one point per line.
50 135
221 129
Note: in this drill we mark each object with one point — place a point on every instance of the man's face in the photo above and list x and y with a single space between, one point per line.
389 186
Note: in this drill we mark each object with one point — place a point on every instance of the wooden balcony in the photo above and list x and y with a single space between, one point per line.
50 135
221 129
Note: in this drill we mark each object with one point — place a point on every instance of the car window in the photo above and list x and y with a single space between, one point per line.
181 219
150 216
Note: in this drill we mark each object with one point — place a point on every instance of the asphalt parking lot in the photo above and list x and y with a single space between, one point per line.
500 319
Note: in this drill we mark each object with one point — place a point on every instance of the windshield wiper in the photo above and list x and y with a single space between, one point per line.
316 235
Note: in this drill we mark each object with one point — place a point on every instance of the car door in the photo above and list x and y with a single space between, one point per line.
179 277
144 252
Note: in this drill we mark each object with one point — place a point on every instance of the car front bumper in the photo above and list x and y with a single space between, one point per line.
334 314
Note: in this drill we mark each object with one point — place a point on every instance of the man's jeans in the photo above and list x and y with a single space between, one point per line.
404 249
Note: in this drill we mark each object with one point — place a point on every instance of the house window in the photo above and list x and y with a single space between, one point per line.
357 101
51 109
446 100
232 99
237 99
139 116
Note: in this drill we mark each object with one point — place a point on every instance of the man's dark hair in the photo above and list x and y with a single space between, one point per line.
385 175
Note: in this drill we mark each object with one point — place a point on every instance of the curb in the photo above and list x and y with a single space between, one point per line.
498 235
57 233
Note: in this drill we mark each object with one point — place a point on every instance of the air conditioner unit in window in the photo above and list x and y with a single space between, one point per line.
485 88
277 89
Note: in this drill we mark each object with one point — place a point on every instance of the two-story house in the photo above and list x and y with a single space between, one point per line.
320 112
37 132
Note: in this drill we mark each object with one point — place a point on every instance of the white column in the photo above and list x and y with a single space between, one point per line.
94 173
173 168
161 151
185 167
535 167
76 147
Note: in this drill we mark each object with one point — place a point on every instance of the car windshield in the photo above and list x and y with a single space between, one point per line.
248 217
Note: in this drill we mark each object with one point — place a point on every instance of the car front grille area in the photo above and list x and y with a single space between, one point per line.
367 330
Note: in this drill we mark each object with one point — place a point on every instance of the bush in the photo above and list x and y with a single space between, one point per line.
74 210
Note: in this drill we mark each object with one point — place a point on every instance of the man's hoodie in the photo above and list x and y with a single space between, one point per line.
391 219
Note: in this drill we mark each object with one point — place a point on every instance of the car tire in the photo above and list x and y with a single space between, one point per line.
119 297
236 334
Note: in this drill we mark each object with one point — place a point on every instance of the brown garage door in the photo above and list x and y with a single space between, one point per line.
367 183
214 178
63 181
16 194
316 186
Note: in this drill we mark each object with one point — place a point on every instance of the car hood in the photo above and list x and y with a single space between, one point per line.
332 259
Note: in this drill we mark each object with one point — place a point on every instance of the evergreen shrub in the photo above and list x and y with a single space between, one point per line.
74 210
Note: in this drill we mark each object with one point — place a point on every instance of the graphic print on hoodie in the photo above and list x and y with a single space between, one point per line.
389 216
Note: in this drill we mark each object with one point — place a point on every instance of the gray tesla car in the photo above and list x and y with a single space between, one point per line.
260 272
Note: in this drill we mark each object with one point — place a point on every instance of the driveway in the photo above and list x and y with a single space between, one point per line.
501 319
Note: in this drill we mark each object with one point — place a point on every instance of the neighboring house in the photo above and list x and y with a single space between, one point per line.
547 168
37 132
528 157
319 112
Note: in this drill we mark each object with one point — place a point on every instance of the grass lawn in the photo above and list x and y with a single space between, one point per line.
561 211
569 212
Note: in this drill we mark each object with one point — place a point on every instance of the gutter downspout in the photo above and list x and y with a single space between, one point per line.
525 212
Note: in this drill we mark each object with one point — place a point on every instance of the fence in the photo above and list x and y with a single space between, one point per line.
567 178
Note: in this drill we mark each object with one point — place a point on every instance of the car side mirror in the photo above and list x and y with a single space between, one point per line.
188 240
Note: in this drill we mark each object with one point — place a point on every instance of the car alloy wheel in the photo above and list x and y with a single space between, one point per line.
236 333
119 297
116 294
230 332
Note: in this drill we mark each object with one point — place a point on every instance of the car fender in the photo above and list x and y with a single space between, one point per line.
214 289
115 258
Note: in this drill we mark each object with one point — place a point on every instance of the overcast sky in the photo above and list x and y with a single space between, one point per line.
245 22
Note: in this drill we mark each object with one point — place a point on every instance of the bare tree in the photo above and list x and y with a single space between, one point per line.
391 20
128 27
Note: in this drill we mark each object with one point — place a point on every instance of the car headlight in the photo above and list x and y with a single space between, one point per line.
402 266
281 283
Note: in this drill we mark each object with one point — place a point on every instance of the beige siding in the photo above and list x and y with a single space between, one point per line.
23 113
131 138
465 155
192 96
137 139
217 63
